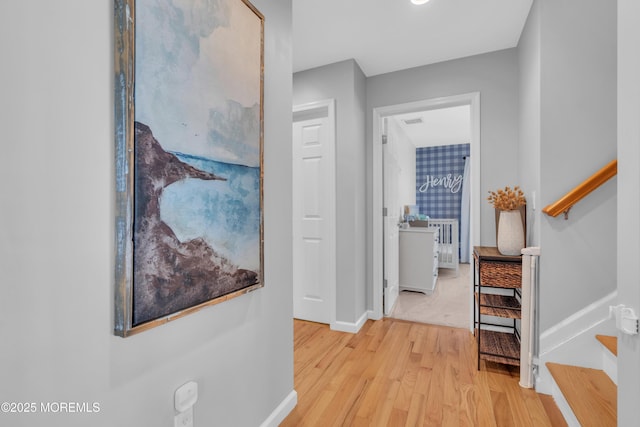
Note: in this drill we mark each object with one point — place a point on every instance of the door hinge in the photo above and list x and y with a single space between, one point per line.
384 139
384 211
385 283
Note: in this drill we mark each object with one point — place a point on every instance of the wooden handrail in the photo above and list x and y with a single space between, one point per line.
567 201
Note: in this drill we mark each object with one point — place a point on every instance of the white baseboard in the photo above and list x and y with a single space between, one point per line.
348 326
280 413
573 342
610 365
576 324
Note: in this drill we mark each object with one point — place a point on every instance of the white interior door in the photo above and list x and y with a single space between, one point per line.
314 245
392 211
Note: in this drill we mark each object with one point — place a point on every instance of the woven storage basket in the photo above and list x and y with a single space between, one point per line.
501 274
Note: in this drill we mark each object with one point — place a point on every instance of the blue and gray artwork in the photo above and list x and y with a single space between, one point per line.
197 220
226 216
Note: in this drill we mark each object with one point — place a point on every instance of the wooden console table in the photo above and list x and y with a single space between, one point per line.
491 271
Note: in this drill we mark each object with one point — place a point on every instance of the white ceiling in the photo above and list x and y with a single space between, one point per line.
444 126
390 35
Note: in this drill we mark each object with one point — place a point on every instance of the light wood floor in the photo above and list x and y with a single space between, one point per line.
398 373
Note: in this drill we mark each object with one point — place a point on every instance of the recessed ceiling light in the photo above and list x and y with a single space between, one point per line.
419 1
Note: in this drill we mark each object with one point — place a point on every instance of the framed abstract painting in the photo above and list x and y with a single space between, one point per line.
189 138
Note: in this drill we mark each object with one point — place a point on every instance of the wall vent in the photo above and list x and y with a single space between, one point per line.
415 121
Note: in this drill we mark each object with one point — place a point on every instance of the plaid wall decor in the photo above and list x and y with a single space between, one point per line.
439 172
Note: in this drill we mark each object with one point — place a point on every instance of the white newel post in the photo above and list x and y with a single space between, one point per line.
530 258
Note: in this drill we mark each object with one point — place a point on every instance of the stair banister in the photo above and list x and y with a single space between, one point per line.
566 202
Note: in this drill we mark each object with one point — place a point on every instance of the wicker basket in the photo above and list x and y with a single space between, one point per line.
500 274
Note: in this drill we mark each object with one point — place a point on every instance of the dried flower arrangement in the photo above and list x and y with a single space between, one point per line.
507 199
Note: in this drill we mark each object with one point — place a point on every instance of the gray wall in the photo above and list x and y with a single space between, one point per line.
359 200
628 204
344 82
577 137
495 76
529 161
57 234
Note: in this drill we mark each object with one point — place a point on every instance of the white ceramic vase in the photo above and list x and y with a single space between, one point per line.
510 233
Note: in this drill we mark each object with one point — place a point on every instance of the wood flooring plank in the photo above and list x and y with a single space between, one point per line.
466 410
535 409
378 392
552 411
415 412
318 413
407 386
435 399
356 340
406 374
379 371
432 351
451 393
519 411
380 367
398 418
449 416
399 366
501 409
382 414
347 398
378 331
483 413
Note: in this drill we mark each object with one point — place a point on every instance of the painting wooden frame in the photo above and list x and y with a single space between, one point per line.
189 157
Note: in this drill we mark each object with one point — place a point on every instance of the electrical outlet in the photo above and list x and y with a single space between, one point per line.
186 396
184 419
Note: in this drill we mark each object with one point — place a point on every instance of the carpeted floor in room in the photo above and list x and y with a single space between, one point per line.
449 305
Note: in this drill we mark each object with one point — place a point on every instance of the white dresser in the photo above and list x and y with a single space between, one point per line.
419 259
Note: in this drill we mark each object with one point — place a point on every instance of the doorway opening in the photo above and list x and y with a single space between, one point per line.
472 100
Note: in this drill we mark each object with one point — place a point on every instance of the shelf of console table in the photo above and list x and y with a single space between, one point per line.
499 305
500 347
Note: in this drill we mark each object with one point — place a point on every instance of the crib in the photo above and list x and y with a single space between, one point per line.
448 256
